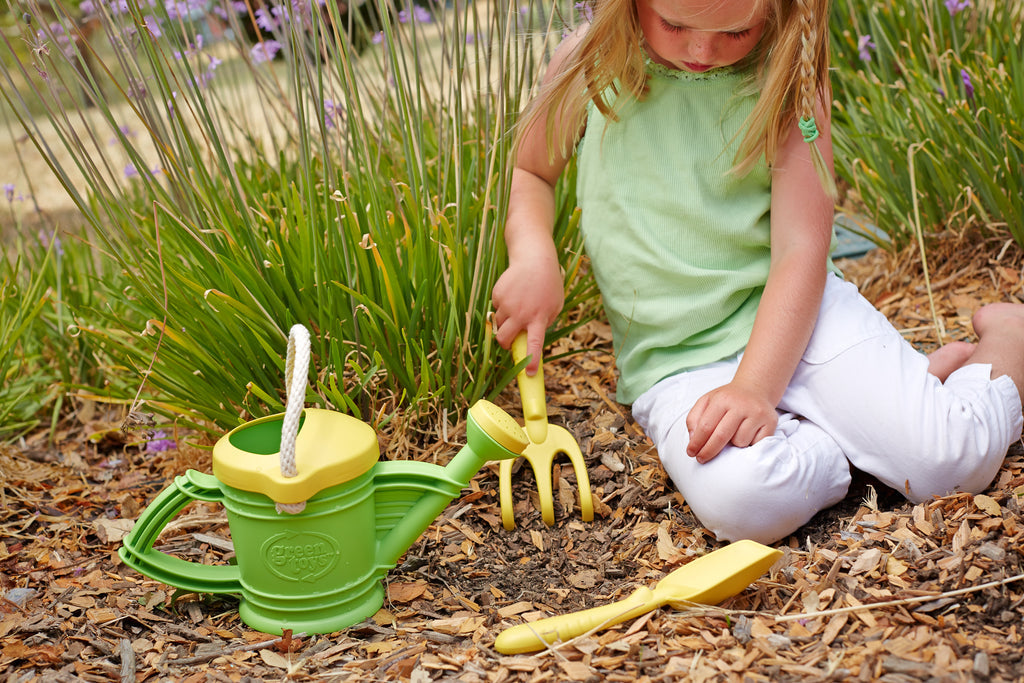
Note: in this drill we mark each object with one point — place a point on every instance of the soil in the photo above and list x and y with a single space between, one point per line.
875 588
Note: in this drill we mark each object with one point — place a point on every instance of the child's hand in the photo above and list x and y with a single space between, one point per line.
730 414
528 296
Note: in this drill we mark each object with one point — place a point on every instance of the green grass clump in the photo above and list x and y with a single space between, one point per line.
356 183
929 105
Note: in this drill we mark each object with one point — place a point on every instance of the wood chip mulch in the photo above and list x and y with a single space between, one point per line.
875 589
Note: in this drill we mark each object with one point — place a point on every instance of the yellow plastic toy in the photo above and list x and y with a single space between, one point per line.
709 580
546 442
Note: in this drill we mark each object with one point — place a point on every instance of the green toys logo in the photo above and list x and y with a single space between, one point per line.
303 556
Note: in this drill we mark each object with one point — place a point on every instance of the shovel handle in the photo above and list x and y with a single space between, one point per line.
536 635
531 391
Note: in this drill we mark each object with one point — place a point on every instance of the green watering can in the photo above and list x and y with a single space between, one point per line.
315 519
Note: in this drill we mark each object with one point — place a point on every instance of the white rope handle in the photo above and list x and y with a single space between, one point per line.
295 398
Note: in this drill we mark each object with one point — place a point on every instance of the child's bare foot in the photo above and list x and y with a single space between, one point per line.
1000 329
993 315
947 359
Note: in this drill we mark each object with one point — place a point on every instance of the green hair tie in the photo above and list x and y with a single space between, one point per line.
808 128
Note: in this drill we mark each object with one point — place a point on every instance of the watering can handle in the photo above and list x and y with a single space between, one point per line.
137 549
295 386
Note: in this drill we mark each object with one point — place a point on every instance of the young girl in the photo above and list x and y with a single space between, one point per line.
704 177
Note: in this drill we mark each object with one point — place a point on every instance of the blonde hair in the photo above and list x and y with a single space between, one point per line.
791 58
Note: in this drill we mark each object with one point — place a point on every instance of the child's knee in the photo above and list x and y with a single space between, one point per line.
744 509
964 450
766 492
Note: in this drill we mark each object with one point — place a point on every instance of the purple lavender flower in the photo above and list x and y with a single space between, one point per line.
202 80
137 89
421 14
377 38
130 171
160 443
585 9
865 47
152 25
9 191
264 52
265 20
332 112
281 14
126 131
968 85
185 9
955 7
190 49
44 242
87 7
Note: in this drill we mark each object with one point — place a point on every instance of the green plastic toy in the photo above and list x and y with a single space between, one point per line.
315 519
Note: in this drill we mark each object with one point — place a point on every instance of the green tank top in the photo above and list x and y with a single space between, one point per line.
679 246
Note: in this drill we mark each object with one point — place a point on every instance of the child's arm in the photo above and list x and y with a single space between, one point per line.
743 411
529 294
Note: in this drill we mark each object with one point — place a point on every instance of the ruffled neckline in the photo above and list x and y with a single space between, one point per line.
657 69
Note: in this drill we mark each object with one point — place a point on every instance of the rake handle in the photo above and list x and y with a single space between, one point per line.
531 391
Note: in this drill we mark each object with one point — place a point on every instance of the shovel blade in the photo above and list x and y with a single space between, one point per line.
717 576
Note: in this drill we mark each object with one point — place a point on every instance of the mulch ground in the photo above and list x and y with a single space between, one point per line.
873 589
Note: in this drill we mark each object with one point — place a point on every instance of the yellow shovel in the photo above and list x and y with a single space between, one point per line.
708 580
546 441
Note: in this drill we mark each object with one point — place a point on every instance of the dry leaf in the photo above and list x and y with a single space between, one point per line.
406 591
988 505
588 578
102 615
866 562
419 675
112 530
894 567
271 658
457 625
667 550
576 671
514 609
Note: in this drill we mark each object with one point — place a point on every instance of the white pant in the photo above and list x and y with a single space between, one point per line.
861 395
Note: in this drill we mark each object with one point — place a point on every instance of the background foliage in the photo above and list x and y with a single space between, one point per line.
239 168
342 172
929 105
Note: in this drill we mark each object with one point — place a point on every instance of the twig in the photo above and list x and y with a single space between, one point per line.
940 330
199 659
904 601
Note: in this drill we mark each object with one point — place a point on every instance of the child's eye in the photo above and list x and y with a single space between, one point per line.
671 28
737 35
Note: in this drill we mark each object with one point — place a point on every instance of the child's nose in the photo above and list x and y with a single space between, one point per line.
702 47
